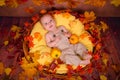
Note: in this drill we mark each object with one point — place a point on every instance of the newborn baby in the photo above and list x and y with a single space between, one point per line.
58 37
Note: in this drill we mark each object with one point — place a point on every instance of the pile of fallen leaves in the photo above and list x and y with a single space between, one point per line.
11 53
69 3
98 63
15 65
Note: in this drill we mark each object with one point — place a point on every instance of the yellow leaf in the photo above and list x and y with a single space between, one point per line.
105 61
79 78
8 70
66 15
37 2
102 77
115 2
31 72
2 2
61 1
1 68
17 35
96 3
104 26
15 28
89 16
6 43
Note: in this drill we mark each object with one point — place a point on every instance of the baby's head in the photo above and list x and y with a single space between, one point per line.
48 22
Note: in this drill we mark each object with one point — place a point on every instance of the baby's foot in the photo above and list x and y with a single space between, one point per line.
84 62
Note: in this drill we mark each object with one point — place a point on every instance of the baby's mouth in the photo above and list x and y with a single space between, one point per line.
50 26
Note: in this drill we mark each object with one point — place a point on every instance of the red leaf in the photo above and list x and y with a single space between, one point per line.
35 18
87 26
12 34
96 56
29 10
90 70
78 68
69 67
40 67
26 24
31 44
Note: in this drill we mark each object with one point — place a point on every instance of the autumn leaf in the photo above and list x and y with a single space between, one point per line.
84 35
96 3
104 26
115 2
40 67
98 46
72 3
103 77
90 70
43 11
14 28
105 58
8 70
78 68
87 26
6 42
31 44
2 2
30 72
61 1
11 3
37 2
1 68
35 18
66 15
21 1
15 31
48 2
26 24
29 9
96 56
89 16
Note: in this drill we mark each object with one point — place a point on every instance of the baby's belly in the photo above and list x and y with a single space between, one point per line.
63 43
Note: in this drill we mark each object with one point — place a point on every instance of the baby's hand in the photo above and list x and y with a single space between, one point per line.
67 34
56 40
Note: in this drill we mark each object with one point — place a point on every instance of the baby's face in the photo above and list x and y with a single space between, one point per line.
48 22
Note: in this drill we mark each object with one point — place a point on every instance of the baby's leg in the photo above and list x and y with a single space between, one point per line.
72 60
81 50
84 62
86 56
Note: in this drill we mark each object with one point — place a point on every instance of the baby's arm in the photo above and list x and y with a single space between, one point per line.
65 31
51 42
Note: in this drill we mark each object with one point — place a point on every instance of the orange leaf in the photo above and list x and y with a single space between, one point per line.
69 67
82 19
31 44
35 18
90 70
26 24
96 56
78 68
40 67
84 35
43 11
98 46
37 36
87 26
29 10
